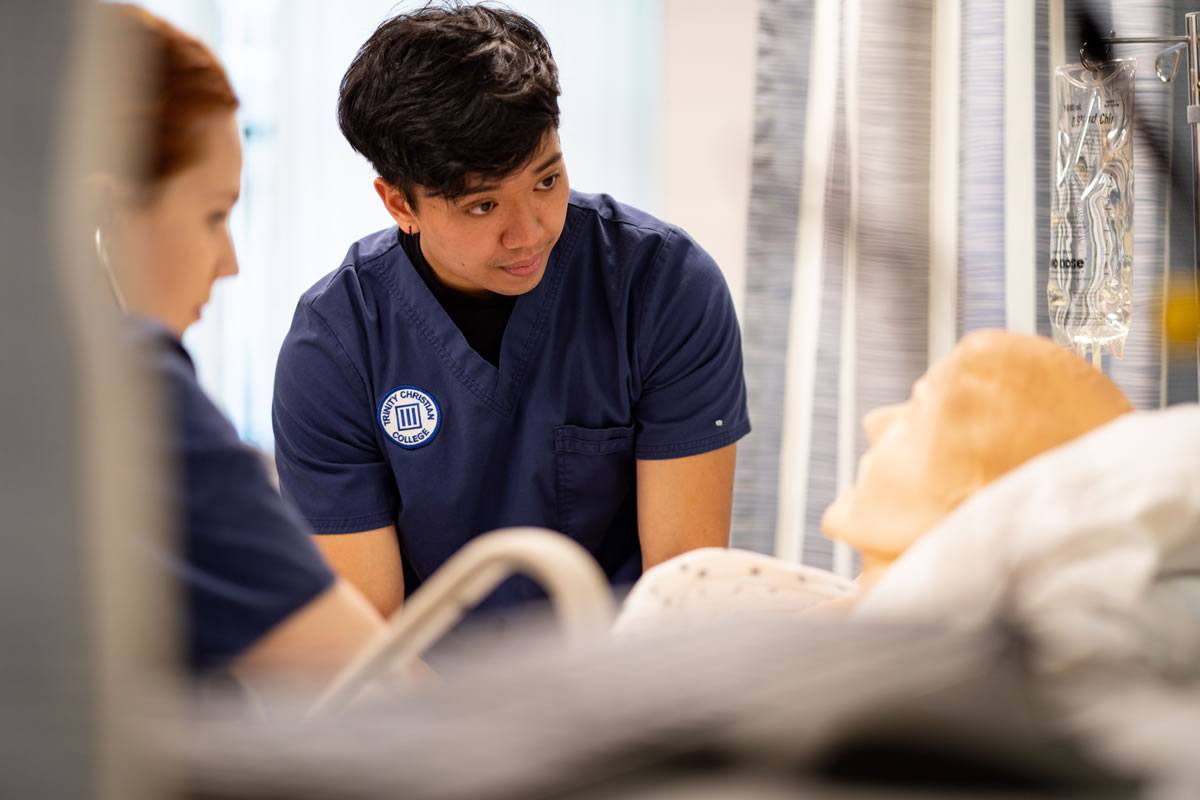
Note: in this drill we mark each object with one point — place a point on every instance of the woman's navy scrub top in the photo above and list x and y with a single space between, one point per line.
247 560
627 349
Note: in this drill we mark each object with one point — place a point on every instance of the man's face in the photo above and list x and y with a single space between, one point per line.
497 237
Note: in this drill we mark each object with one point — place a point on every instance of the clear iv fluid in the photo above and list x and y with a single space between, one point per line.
1090 290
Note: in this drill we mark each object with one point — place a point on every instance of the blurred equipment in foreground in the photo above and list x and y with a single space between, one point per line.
83 635
746 708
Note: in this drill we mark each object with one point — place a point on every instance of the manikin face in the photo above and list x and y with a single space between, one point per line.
910 476
498 237
167 254
996 401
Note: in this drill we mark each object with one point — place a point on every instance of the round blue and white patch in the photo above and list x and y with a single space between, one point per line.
410 417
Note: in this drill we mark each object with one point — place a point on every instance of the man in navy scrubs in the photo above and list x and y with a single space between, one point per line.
512 352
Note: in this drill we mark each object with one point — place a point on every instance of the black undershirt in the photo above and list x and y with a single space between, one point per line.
481 318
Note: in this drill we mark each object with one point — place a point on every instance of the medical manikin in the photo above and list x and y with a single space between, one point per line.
996 401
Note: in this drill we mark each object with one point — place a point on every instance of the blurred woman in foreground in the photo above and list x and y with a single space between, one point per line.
260 601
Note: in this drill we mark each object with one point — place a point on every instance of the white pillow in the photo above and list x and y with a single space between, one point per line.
1072 546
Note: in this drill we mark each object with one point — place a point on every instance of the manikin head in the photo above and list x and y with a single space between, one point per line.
996 401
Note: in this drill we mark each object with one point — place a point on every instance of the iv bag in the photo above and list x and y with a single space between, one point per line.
1090 291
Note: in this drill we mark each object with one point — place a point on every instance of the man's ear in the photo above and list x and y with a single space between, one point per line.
397 206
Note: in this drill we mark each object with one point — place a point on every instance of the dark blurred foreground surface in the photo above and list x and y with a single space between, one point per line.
740 710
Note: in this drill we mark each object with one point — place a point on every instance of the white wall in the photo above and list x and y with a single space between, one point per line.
706 129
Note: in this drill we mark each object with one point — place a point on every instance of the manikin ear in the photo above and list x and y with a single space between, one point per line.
398 206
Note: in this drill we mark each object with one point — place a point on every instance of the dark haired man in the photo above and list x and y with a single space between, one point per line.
511 353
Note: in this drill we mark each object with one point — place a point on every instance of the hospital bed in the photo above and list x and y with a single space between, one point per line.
754 706
778 708
1076 677
577 590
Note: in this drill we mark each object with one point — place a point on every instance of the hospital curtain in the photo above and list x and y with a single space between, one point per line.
900 198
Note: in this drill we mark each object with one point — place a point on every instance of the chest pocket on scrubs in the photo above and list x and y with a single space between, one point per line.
596 476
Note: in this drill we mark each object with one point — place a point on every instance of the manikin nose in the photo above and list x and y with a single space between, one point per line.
876 422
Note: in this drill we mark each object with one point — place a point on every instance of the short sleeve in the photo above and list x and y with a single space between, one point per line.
248 560
329 461
689 353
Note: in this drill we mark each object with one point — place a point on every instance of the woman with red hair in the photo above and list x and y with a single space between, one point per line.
259 598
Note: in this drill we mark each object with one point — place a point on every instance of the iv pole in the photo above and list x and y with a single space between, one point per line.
1088 56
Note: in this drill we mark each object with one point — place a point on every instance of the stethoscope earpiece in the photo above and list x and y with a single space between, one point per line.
102 257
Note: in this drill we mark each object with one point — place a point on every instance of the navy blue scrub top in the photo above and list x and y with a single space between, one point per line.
247 561
627 349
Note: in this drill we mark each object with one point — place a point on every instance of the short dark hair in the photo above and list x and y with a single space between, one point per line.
449 91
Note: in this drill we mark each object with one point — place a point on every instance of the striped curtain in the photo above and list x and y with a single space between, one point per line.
900 198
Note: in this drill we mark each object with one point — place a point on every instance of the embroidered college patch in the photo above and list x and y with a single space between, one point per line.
410 417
